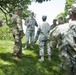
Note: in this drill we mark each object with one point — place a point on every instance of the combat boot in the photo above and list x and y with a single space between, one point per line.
16 58
41 59
32 47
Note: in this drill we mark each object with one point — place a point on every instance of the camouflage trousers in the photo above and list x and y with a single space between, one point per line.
42 45
17 45
30 35
68 60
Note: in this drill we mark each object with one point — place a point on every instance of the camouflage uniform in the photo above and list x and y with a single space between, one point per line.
44 38
54 24
68 53
17 31
30 30
68 46
53 40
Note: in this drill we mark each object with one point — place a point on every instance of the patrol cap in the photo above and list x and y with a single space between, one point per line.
32 13
44 17
17 8
73 8
54 19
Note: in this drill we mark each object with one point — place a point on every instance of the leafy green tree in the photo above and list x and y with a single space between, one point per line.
7 6
68 4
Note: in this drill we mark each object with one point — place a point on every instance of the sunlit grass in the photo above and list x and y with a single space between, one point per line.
29 64
6 46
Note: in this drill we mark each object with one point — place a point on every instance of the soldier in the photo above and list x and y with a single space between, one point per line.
44 39
54 23
30 30
17 32
53 41
68 46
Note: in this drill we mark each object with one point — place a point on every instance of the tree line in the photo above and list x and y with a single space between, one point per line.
7 6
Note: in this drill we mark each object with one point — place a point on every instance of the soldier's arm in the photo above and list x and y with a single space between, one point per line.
37 35
51 27
19 25
36 23
27 23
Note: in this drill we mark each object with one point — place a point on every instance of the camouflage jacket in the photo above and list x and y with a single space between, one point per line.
16 25
31 23
70 37
43 32
53 26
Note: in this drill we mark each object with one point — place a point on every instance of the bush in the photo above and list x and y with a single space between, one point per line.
5 33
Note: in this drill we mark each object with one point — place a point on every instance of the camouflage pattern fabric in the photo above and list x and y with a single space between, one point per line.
30 30
17 32
68 52
44 38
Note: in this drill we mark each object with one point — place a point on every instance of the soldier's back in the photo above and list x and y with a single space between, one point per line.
45 27
44 31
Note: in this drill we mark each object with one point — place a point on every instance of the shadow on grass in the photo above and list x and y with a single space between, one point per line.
30 64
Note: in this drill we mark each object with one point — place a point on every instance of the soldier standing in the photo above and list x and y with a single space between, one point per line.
54 23
17 31
30 30
53 41
44 39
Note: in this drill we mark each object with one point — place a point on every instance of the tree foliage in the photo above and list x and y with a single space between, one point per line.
7 7
40 1
68 4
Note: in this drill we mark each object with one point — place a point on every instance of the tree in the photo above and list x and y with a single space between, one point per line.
7 6
67 7
40 1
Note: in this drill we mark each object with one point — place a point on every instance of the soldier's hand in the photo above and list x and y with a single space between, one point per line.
22 34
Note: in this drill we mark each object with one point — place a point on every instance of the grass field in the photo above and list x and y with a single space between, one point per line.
29 64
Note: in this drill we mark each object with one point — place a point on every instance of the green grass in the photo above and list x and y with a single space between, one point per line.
29 64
